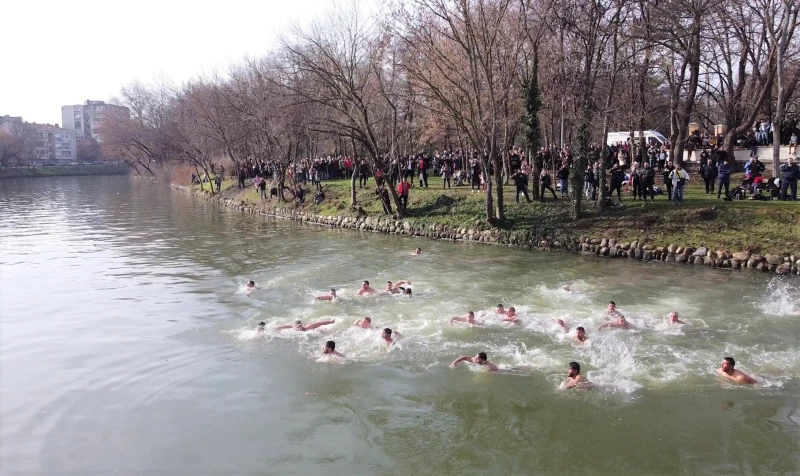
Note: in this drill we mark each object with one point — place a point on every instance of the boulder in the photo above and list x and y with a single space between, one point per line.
672 249
709 262
690 259
543 244
585 247
783 269
680 250
681 258
741 255
638 253
625 246
699 260
595 241
556 244
406 225
603 243
612 243
762 267
648 247
751 263
773 259
700 251
631 253
604 251
670 257
648 255
758 258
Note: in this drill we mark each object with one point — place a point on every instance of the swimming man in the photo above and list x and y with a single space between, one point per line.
330 349
479 359
574 377
365 323
726 370
511 316
298 325
327 297
620 323
365 289
469 319
673 318
396 287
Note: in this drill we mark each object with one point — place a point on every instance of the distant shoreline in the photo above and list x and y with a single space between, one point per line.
63 171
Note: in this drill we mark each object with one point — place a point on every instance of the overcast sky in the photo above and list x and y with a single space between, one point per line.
59 53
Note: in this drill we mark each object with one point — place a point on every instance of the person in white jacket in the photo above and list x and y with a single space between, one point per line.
679 179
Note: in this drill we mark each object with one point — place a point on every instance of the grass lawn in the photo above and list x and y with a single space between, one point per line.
702 220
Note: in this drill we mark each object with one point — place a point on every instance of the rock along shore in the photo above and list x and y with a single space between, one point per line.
602 247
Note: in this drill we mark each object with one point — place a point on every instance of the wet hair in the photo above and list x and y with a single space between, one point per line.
330 345
251 283
483 356
333 291
580 329
499 305
575 366
408 291
366 282
470 313
262 324
368 319
511 308
730 361
420 249
612 302
387 331
298 322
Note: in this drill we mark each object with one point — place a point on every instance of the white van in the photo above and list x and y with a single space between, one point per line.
650 136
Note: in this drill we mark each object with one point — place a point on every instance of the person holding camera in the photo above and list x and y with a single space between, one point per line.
679 179
789 172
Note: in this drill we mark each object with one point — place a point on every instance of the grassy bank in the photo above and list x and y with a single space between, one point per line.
758 226
57 170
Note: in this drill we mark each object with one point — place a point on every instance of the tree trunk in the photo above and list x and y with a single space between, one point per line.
353 201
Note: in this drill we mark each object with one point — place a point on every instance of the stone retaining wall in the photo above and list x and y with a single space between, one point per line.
602 247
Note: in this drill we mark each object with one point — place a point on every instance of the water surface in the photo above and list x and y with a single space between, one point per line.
127 345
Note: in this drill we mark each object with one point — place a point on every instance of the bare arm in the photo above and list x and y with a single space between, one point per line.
287 326
318 324
491 367
324 298
574 383
401 283
456 319
460 359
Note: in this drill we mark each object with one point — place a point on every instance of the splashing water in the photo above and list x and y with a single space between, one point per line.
779 299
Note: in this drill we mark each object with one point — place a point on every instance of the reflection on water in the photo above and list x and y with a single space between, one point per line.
127 345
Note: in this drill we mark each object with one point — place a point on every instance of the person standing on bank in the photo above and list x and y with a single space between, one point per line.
679 179
724 171
402 190
789 174
709 173
521 182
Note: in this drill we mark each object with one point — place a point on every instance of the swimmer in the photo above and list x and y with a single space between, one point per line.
566 288
574 377
511 316
726 370
406 291
611 310
298 325
469 319
327 297
580 335
261 326
480 359
386 335
365 323
500 309
416 252
673 319
365 289
330 349
396 287
251 285
561 323
620 323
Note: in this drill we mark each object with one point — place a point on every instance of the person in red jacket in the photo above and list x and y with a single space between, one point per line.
402 190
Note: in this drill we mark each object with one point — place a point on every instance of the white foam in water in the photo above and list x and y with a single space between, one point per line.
779 299
624 362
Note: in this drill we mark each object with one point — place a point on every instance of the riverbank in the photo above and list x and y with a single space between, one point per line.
759 235
63 170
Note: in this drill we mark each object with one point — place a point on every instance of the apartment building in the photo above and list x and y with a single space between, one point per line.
84 119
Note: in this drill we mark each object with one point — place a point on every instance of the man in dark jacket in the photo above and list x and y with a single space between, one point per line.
647 177
521 182
668 181
617 177
709 172
724 171
789 173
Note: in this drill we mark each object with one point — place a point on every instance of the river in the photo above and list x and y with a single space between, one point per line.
127 345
